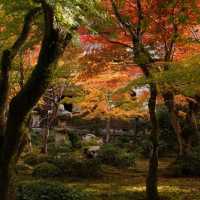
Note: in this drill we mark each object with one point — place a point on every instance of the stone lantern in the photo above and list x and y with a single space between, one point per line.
61 128
35 121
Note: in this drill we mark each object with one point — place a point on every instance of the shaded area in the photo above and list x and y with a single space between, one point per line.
125 184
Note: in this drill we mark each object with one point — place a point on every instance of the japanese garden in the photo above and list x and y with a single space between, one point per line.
100 100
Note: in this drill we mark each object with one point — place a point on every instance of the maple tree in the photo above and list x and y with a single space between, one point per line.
155 31
139 37
60 20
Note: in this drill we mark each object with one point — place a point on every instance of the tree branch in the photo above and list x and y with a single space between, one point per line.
126 25
116 42
53 45
6 61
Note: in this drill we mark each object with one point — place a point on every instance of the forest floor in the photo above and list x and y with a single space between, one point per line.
129 184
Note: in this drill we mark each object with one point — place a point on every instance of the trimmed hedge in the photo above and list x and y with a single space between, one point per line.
46 170
43 190
75 140
79 168
62 149
186 166
34 159
112 155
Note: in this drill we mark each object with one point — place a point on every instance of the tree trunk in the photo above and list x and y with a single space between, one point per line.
7 57
193 109
4 181
21 72
53 45
143 58
152 177
151 182
4 87
136 129
29 143
45 136
192 133
7 180
108 130
169 102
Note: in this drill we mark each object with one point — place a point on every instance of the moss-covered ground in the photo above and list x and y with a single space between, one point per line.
129 184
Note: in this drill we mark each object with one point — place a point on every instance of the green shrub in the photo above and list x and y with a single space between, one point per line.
86 168
168 140
24 168
122 142
92 142
144 147
31 159
107 153
60 149
35 138
187 165
42 190
35 159
111 155
46 170
75 140
126 159
44 158
64 164
51 138
78 168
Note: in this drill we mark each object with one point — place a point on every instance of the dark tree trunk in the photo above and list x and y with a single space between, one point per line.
193 109
152 177
108 133
151 182
193 129
4 87
45 136
169 102
136 129
25 141
6 61
7 180
143 59
21 72
54 42
5 175
8 55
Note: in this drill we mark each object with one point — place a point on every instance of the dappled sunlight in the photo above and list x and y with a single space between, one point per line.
119 187
100 100
160 188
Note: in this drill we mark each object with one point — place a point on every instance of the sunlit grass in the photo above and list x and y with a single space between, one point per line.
129 184
173 189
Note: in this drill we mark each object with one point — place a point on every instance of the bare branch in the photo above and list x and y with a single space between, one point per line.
116 42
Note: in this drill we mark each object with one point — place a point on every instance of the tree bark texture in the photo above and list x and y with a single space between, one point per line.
151 181
53 45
